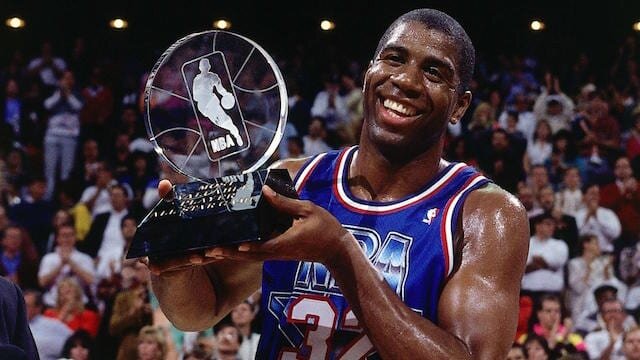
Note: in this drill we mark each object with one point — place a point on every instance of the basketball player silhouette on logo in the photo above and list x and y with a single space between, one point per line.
209 104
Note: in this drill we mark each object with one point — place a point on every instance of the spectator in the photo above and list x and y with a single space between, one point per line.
607 342
19 260
587 272
516 352
62 132
597 220
539 150
85 171
597 127
526 118
331 106
550 325
631 344
49 334
501 162
105 241
632 137
70 308
98 99
79 346
131 312
228 339
242 317
47 67
565 228
64 262
314 142
546 260
622 196
553 105
569 198
536 348
34 213
591 319
151 344
96 197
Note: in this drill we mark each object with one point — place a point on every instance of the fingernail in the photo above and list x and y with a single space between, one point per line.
243 247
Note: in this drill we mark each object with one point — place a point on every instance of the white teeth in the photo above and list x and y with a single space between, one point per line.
390 104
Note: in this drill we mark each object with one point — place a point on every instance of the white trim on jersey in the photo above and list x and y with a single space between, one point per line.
307 170
448 220
390 207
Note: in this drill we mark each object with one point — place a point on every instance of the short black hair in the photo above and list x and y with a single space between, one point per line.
442 22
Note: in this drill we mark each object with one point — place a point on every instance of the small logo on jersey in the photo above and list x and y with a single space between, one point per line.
431 214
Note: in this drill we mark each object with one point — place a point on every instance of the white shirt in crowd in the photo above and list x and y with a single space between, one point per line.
112 246
49 335
597 341
605 225
51 261
555 253
569 201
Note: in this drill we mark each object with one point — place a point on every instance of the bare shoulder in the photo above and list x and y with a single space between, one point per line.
291 165
495 219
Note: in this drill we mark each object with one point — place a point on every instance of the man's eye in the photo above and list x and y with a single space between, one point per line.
393 59
433 73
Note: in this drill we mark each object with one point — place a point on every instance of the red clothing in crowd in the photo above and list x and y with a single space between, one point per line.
626 207
86 320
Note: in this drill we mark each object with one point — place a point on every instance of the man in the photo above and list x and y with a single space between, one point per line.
105 239
622 196
18 260
565 228
242 318
433 224
547 259
65 261
607 343
551 326
49 333
597 220
34 213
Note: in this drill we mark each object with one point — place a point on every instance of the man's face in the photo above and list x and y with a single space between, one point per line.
118 199
631 345
572 178
622 169
228 339
66 236
37 190
545 228
242 315
12 239
549 315
592 195
128 228
612 311
410 90
539 176
546 198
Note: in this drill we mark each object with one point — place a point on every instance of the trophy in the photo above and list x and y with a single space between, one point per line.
215 111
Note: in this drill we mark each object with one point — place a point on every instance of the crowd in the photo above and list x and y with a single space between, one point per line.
77 174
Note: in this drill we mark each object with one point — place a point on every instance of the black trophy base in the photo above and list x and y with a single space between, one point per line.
223 211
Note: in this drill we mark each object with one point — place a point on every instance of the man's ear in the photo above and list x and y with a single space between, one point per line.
366 75
463 103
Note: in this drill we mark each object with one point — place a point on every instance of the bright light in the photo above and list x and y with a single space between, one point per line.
118 24
537 25
327 25
636 26
15 23
222 24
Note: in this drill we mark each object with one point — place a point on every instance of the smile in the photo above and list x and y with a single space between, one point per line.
399 108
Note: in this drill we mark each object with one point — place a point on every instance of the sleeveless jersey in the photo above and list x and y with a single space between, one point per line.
409 241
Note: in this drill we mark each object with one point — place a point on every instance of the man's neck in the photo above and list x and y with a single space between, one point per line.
373 176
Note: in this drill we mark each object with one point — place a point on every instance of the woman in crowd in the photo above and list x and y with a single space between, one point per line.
70 308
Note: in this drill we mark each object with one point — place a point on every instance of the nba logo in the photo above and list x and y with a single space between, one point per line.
215 106
431 214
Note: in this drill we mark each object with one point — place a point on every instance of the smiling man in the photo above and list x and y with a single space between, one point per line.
395 252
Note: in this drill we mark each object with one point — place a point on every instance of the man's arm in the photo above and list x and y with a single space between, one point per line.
478 308
196 292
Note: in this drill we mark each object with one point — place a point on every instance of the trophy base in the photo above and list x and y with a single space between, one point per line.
223 211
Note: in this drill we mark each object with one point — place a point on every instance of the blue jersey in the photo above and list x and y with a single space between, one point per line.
410 241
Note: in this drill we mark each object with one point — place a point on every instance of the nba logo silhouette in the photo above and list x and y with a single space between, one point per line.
430 215
215 106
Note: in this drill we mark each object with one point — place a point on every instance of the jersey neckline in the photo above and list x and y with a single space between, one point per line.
346 197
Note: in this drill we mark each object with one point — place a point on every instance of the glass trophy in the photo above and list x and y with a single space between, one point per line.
215 111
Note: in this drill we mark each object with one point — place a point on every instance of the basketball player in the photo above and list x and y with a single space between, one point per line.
395 253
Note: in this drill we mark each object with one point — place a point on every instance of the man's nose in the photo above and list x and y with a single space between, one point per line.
409 80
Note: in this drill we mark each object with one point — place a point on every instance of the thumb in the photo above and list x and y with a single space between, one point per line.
282 203
164 187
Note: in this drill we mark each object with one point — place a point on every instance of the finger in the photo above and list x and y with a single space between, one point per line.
282 203
164 187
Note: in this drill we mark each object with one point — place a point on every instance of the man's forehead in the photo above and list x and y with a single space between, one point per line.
415 32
